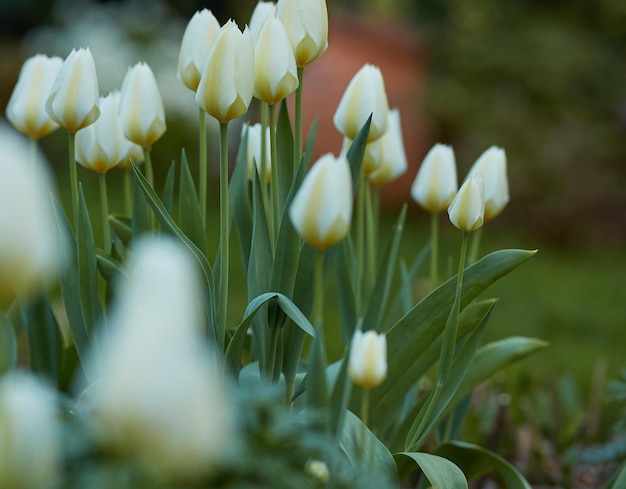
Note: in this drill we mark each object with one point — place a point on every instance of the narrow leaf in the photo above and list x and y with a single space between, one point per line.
189 214
440 472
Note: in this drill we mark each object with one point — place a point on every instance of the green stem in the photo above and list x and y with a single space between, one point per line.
297 154
104 209
360 243
202 169
318 310
264 162
73 175
475 246
224 234
434 250
448 341
370 238
274 173
128 193
365 407
148 163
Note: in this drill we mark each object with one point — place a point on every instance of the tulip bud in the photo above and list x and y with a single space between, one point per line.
141 111
27 106
99 146
262 12
436 182
322 208
197 40
254 150
467 210
29 434
368 359
29 246
393 158
365 95
306 22
73 100
227 81
160 399
275 73
492 166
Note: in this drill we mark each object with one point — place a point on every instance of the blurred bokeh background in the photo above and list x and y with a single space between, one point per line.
544 79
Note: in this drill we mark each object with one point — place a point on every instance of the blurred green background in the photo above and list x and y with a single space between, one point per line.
545 79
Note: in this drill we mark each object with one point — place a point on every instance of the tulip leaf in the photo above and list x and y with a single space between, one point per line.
45 341
284 156
380 294
189 214
619 478
8 345
357 151
87 268
260 265
240 202
69 283
168 189
340 396
316 393
109 268
122 227
422 325
347 301
476 461
234 350
378 458
141 215
439 471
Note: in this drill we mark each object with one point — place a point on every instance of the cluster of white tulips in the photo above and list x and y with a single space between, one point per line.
137 331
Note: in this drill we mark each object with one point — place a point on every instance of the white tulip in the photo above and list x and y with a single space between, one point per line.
393 157
306 22
492 166
467 210
254 151
436 184
262 12
368 359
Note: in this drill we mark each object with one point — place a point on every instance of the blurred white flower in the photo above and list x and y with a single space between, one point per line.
29 434
26 109
29 245
436 184
160 398
492 166
368 359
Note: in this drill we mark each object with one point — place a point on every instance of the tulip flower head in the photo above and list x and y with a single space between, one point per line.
306 22
275 73
100 146
199 35
467 210
262 12
29 241
393 158
364 95
254 150
368 359
73 99
30 440
160 399
322 208
492 166
436 184
26 109
141 111
227 81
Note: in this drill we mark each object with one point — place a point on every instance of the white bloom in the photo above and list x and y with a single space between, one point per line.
262 12
368 359
467 210
492 166
29 434
391 147
436 184
306 22
160 398
254 150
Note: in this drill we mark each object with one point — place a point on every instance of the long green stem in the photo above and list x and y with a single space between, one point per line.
297 150
434 250
274 172
104 209
475 246
148 163
365 408
318 310
448 341
264 162
224 234
73 175
128 193
202 168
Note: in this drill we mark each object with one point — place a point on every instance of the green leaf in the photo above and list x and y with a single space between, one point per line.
356 152
340 396
189 213
168 189
284 156
440 472
316 393
618 481
476 461
260 265
109 268
379 459
8 345
122 227
409 338
240 202
347 300
141 215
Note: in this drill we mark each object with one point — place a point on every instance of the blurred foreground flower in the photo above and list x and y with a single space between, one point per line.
322 208
435 184
141 111
197 40
467 210
306 22
492 166
159 398
364 95
368 359
254 150
26 109
29 434
392 156
227 81
73 100
29 245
